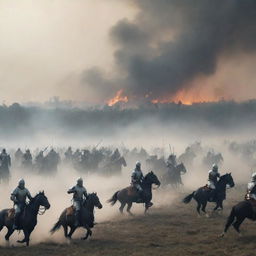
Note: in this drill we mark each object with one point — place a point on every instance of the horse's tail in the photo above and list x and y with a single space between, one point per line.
56 226
2 216
113 199
230 220
188 198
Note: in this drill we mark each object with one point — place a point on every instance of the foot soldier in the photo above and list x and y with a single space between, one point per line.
19 196
212 181
79 194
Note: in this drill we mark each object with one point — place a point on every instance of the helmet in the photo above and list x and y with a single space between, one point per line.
4 150
254 176
80 182
215 167
21 183
138 164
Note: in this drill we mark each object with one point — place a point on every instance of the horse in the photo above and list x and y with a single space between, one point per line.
67 217
202 194
27 220
238 214
174 177
129 195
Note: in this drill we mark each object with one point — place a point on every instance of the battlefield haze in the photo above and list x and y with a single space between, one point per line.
116 124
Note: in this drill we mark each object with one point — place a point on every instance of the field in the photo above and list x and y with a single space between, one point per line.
172 230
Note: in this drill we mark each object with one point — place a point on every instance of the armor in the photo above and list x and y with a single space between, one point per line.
137 177
251 188
79 193
19 196
213 177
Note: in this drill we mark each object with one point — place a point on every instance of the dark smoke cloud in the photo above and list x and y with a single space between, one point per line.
172 42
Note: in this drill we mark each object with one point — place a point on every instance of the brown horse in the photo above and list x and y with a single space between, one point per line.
130 194
67 217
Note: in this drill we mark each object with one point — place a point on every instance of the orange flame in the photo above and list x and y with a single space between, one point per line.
119 97
186 98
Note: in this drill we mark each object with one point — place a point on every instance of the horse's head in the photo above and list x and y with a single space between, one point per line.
181 168
42 200
152 179
94 199
228 179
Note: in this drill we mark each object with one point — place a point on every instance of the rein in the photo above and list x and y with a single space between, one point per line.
41 210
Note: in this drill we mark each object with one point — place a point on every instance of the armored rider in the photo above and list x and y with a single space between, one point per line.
19 196
79 194
212 181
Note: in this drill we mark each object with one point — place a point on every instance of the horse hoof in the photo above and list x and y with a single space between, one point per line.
222 235
207 215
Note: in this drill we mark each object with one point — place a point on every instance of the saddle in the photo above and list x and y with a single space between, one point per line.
70 211
206 188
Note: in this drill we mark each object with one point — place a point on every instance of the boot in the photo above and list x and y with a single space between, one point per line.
212 195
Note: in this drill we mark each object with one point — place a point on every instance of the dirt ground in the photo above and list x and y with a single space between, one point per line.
174 230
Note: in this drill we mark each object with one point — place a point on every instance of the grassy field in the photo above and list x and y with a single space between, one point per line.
175 230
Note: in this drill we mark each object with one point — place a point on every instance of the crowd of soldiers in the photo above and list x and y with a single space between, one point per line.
105 160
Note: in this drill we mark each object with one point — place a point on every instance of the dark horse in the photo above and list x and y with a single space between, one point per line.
202 194
28 218
67 217
173 177
129 195
239 213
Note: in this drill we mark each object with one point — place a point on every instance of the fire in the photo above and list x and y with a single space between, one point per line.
119 97
186 98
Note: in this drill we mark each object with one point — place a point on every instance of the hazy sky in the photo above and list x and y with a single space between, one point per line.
86 50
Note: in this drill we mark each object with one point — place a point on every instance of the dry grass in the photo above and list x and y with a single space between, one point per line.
175 230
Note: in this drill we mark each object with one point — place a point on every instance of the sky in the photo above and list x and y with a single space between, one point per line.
89 51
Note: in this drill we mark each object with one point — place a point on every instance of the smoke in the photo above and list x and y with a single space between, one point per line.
171 43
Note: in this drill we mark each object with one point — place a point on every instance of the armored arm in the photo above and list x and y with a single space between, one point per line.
29 195
13 196
85 193
71 191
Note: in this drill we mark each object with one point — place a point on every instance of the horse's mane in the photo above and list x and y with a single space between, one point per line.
224 175
149 173
36 196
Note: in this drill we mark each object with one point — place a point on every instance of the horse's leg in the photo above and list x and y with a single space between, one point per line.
121 208
9 233
27 237
65 227
198 208
146 208
203 208
237 224
129 206
216 207
88 233
72 230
